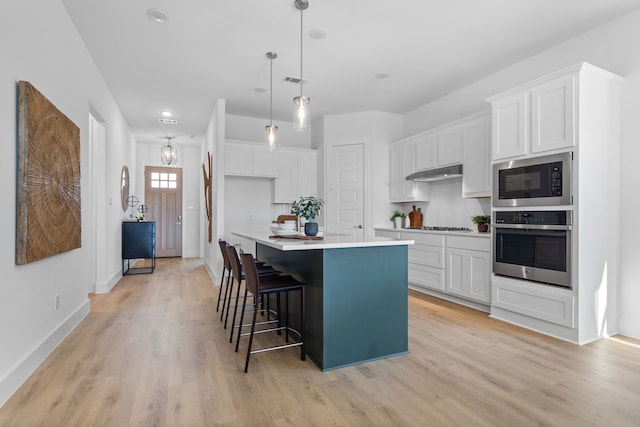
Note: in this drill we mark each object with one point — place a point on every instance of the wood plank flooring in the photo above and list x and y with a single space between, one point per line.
153 353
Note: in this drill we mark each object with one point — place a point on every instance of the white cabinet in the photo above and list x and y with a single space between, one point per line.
248 160
449 146
426 260
296 175
442 148
401 164
536 118
469 268
476 161
425 147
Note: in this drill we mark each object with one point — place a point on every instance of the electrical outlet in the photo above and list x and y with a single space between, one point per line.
57 301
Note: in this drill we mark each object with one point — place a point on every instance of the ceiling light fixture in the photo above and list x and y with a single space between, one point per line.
301 113
169 153
167 114
157 16
270 128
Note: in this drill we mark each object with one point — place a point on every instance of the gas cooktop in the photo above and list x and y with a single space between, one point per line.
437 228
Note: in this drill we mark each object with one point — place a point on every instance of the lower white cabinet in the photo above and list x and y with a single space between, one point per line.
469 274
456 265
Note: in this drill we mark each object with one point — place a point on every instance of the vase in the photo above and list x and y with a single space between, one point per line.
397 222
311 228
483 228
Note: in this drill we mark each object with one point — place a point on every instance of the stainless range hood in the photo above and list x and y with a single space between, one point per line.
447 172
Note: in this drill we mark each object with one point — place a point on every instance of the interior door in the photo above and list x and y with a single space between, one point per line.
163 197
345 200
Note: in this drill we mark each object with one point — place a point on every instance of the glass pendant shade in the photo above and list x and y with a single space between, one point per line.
169 154
271 137
301 113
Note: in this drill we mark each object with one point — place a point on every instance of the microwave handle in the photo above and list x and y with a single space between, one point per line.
534 226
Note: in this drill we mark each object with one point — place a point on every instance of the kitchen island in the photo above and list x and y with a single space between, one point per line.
356 295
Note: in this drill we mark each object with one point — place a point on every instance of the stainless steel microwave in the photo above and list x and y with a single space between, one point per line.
538 181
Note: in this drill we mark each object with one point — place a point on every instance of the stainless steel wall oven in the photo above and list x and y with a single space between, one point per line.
533 245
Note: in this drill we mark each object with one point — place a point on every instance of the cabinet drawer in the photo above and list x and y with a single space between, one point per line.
425 239
432 256
471 243
534 300
427 277
390 234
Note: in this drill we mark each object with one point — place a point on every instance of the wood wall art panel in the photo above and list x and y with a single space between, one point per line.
48 185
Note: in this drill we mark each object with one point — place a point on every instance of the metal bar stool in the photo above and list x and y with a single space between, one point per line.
238 276
225 269
263 286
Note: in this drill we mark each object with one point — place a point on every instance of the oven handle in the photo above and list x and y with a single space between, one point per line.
533 226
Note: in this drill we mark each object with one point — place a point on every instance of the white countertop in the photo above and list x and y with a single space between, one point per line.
329 241
472 233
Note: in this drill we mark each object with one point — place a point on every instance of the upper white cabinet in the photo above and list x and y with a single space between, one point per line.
476 161
401 164
296 175
248 160
442 148
535 118
449 146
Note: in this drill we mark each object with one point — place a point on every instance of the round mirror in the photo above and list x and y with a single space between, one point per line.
124 187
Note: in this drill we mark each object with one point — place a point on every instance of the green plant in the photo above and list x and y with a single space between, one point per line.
398 214
481 219
307 207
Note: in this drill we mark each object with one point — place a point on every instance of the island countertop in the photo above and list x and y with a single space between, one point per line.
329 241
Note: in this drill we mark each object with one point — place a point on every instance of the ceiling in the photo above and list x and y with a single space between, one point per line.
211 49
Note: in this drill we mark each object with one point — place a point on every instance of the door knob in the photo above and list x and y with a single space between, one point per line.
357 226
179 220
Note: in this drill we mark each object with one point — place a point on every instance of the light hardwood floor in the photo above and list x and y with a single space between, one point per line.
153 353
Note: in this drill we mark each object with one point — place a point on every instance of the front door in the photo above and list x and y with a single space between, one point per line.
163 197
346 190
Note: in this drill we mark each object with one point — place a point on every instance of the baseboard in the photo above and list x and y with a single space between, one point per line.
212 274
18 375
629 328
105 287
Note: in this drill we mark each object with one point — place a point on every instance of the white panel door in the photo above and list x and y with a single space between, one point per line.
345 200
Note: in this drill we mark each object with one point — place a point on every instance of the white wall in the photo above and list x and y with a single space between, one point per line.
616 48
374 130
54 59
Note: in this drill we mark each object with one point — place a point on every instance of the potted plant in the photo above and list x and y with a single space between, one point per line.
398 217
482 221
308 208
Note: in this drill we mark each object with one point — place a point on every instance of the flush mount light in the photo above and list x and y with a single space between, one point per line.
157 16
167 114
318 33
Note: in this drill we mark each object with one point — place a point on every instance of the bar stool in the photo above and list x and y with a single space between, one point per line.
263 286
225 269
238 276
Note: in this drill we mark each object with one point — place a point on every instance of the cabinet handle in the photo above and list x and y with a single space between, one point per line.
357 226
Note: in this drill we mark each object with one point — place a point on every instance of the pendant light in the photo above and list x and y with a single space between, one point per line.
301 112
270 128
168 153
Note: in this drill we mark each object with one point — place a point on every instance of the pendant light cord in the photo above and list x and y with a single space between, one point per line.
301 29
271 91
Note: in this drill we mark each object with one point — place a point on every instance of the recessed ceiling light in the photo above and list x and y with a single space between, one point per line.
381 76
167 114
157 15
318 33
259 90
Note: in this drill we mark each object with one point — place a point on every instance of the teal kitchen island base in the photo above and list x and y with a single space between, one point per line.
356 298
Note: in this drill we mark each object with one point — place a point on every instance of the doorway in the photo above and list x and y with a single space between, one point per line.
163 198
346 190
